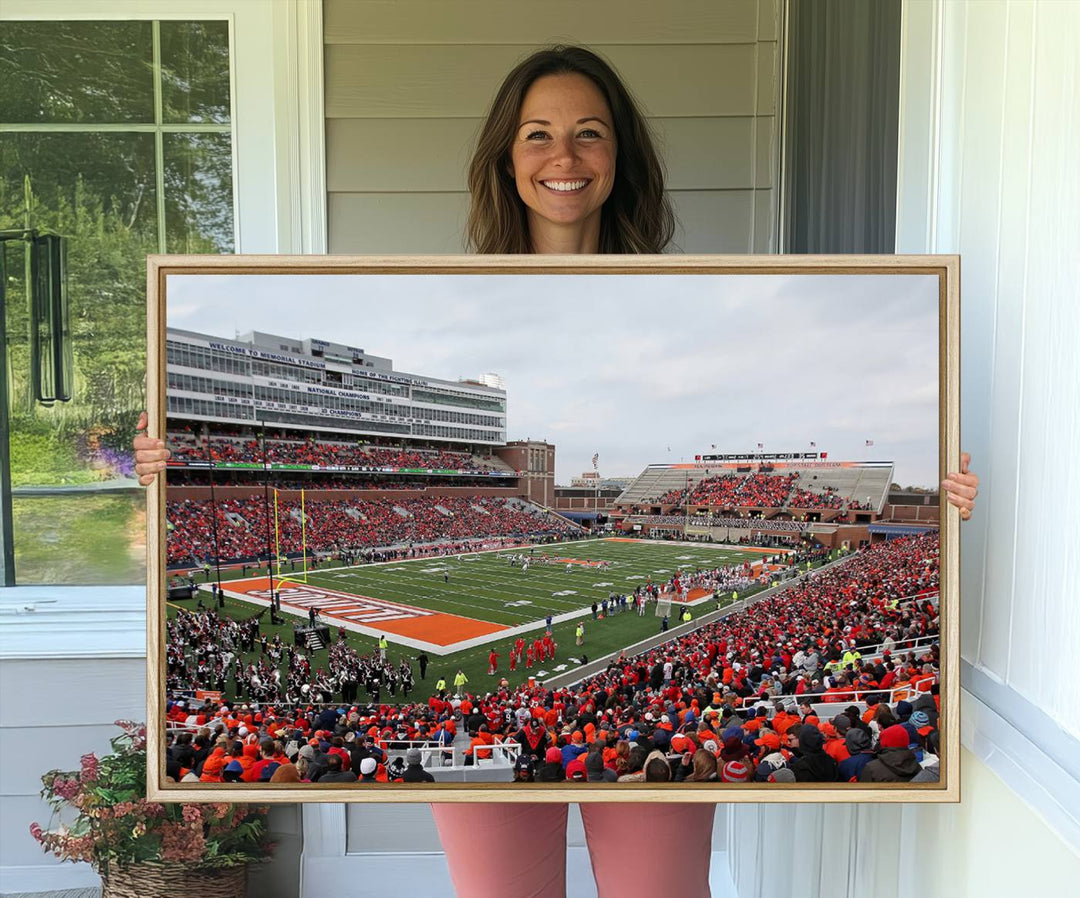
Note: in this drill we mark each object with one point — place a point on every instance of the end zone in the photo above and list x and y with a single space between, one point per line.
418 628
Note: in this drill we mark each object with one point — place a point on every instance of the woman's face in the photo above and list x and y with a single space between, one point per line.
563 154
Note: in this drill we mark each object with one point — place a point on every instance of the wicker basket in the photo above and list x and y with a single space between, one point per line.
173 881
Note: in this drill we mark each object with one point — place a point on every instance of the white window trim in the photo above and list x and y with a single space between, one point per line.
1024 747
66 622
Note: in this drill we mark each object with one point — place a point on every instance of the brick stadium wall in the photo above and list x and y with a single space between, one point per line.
537 460
922 514
581 503
854 535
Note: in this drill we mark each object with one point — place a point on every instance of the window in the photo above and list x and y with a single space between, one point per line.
118 136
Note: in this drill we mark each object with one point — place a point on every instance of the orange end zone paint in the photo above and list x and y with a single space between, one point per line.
380 615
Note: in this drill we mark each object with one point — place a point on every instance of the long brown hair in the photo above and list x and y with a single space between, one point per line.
622 757
705 766
637 216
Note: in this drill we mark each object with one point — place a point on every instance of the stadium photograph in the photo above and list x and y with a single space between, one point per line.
540 528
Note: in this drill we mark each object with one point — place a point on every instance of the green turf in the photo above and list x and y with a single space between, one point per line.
483 586
486 587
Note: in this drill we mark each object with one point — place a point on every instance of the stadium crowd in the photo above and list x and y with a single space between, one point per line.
826 498
319 480
756 491
732 701
751 491
324 453
343 525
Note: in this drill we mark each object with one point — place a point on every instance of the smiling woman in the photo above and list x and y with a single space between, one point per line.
563 117
563 162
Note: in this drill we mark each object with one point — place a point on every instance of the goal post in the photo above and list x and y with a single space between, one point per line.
278 555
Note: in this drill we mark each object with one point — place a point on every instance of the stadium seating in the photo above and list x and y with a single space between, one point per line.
251 450
856 488
343 524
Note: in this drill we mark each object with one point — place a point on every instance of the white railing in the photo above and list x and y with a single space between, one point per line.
919 598
878 651
432 754
895 694
434 750
501 752
711 521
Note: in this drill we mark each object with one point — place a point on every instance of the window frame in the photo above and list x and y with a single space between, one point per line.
276 94
159 128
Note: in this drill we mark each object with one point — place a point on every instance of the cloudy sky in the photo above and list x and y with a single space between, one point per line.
641 369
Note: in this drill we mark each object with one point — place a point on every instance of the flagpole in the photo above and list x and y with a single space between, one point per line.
596 488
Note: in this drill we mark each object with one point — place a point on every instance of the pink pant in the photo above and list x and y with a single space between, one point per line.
636 848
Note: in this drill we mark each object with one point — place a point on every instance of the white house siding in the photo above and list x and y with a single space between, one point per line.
408 83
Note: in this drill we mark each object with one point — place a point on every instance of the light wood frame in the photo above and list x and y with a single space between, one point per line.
945 268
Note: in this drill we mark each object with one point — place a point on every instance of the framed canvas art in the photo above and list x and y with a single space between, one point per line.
553 528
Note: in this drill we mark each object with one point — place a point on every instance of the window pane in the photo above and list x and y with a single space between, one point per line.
198 193
113 174
76 72
81 538
98 191
195 71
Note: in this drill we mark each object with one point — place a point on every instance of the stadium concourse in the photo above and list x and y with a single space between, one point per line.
831 677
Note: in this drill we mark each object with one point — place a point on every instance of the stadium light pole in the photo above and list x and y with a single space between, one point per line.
213 516
42 292
266 508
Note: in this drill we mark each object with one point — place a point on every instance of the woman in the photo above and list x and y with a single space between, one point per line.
697 767
565 164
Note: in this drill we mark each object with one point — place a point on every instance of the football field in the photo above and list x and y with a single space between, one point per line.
447 604
458 610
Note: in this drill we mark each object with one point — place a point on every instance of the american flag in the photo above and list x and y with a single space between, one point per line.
869 442
595 459
813 445
761 445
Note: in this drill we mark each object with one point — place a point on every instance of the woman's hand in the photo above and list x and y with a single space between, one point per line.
962 487
150 454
